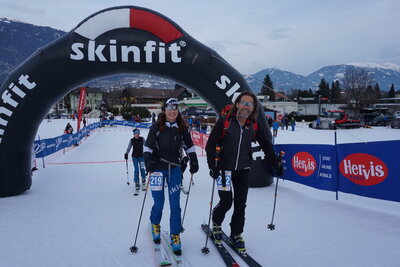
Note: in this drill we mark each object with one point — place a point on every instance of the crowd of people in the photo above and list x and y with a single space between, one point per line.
284 123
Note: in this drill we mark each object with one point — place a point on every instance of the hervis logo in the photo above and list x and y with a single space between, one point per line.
304 164
364 169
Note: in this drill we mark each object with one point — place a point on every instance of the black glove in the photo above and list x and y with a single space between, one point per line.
194 164
149 162
125 156
214 173
183 163
279 170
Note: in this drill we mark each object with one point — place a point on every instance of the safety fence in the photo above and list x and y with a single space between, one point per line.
370 169
46 147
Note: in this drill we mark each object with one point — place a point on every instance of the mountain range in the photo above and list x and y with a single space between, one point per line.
18 40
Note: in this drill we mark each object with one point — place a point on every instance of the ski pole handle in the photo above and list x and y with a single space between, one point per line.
280 155
217 155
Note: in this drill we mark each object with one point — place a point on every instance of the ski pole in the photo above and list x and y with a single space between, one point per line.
187 198
127 174
205 249
134 248
271 226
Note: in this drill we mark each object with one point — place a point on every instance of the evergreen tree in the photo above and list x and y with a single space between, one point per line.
268 88
335 90
323 88
392 92
377 91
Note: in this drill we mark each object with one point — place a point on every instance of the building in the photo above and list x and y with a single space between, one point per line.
93 98
311 106
392 105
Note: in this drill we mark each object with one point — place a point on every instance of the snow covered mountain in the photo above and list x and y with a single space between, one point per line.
18 40
383 74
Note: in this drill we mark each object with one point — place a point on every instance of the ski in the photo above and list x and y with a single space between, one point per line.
160 253
245 257
136 193
186 192
180 260
226 256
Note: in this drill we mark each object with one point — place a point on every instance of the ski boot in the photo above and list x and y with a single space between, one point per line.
143 183
217 234
136 192
176 244
237 241
155 232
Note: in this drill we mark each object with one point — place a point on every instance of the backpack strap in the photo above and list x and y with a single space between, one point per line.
255 128
227 123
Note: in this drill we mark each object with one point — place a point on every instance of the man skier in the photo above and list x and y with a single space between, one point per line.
234 133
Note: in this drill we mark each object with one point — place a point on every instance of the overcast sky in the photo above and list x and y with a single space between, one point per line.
292 35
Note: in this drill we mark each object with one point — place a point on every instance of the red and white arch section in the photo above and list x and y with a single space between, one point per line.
128 18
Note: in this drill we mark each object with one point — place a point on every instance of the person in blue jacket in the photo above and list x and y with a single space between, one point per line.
162 153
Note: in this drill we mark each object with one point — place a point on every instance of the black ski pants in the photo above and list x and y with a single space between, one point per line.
240 181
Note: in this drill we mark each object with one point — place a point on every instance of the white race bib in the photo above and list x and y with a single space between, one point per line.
227 182
156 181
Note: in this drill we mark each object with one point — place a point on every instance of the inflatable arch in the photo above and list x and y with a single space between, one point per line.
117 40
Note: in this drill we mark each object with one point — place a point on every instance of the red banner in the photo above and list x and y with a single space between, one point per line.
200 140
81 105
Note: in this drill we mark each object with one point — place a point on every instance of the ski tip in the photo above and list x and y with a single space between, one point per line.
177 252
235 264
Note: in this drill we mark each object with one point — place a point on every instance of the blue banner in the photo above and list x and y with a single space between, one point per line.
370 169
144 125
49 146
312 165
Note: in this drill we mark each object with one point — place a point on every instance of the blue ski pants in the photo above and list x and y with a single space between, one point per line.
174 192
138 163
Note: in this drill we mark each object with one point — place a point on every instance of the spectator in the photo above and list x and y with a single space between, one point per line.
203 128
318 122
68 129
292 124
275 128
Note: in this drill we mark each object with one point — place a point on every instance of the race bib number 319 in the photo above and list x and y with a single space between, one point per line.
156 181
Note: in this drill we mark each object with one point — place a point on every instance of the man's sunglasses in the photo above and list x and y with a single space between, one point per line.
247 104
172 107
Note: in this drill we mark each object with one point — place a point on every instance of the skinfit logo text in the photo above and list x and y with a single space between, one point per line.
152 52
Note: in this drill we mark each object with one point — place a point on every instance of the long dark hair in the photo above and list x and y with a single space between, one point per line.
254 113
162 118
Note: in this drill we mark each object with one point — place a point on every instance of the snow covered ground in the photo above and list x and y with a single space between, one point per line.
80 212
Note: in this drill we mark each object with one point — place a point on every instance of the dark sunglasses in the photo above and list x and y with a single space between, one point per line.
247 104
172 107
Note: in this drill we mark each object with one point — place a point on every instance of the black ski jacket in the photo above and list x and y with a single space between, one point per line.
236 145
137 144
167 144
